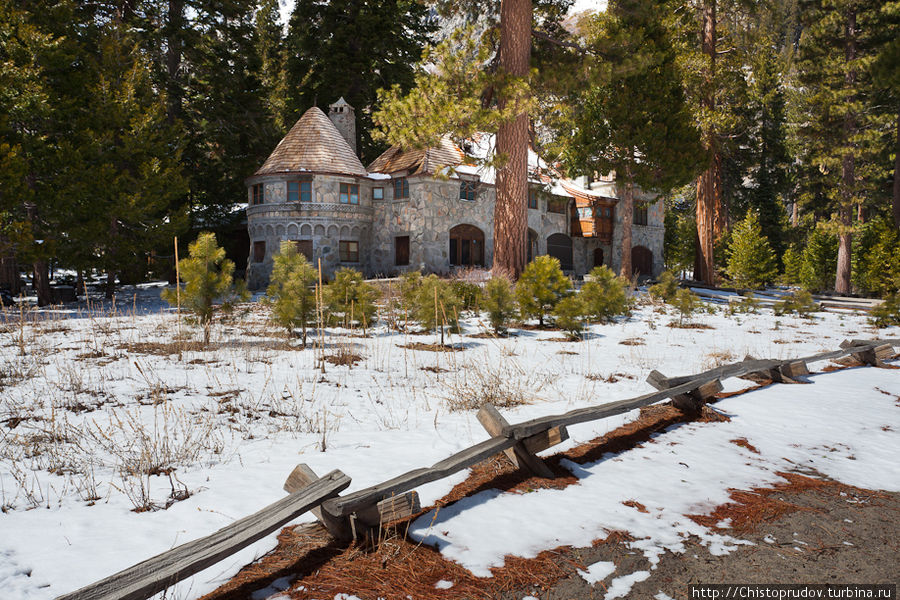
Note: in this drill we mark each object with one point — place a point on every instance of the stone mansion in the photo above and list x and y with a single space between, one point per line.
396 215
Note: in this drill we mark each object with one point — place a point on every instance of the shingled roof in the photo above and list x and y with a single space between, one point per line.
425 160
313 144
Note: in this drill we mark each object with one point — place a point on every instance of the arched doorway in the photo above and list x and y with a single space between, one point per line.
559 246
641 260
531 247
466 246
598 257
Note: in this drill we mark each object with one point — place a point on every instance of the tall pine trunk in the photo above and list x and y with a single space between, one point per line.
848 168
510 214
711 219
41 281
174 35
627 220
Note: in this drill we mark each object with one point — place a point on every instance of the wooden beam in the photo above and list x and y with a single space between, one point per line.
546 439
693 400
491 419
457 462
872 353
158 573
340 528
395 508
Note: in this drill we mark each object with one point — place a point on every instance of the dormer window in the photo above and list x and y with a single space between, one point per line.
349 193
257 194
468 190
401 188
300 191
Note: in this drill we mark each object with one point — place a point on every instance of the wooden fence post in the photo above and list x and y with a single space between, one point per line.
691 401
520 455
356 525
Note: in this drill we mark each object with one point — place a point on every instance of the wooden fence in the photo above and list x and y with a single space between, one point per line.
356 514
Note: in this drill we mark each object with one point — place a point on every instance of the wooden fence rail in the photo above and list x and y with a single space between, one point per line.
338 513
158 573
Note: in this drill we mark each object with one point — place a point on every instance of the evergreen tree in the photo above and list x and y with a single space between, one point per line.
130 205
350 48
769 159
350 299
632 118
819 261
291 289
208 278
541 286
436 305
499 302
751 261
604 295
569 315
839 132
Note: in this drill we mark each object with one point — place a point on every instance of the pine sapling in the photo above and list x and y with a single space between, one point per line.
569 316
751 260
541 286
499 302
209 286
291 293
605 295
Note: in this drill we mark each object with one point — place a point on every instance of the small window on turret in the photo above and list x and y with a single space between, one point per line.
257 194
349 193
300 191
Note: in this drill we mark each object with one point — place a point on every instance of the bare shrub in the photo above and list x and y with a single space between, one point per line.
503 384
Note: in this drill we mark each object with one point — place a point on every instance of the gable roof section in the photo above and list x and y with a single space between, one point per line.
313 144
424 160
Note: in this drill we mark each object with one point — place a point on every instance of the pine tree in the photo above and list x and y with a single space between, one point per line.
351 49
839 133
131 205
819 261
769 159
435 305
208 279
632 118
350 299
541 286
499 302
604 295
714 83
291 290
751 260
569 314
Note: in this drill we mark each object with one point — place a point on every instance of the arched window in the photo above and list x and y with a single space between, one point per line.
466 246
559 246
641 260
598 257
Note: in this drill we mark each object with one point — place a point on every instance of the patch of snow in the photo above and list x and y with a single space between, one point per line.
443 584
621 586
597 572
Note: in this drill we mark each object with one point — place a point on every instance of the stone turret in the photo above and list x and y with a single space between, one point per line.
344 118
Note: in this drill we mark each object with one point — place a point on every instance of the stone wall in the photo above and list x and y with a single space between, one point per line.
650 235
432 209
324 221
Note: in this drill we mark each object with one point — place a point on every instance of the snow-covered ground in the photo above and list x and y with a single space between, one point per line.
92 400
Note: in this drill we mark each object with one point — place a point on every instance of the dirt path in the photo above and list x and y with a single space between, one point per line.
830 534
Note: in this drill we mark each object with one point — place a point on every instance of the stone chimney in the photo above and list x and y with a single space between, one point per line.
344 118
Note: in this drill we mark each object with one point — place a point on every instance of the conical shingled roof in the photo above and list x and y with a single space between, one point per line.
313 144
